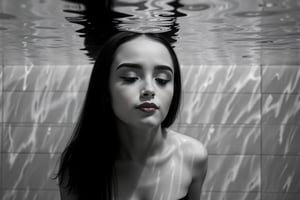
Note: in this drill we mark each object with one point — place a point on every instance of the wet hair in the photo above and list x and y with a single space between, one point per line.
87 164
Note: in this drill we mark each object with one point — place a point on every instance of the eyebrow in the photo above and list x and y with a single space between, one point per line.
137 66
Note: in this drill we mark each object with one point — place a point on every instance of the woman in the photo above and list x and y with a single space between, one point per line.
122 148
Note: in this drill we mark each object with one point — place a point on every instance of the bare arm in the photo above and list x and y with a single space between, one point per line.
199 172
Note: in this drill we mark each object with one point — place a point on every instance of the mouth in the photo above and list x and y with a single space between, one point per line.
147 107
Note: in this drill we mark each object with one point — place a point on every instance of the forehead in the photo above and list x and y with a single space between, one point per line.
143 47
143 40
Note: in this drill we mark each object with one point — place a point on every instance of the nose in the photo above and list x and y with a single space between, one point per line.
146 93
148 90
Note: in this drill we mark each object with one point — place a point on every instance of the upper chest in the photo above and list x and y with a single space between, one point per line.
166 179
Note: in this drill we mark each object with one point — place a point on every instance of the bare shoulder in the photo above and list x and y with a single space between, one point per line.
196 154
191 147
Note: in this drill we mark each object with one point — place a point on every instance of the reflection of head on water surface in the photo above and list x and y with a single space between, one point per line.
101 19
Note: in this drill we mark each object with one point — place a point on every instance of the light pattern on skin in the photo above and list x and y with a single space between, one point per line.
171 178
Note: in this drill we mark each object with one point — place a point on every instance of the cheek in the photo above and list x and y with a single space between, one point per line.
117 100
121 99
166 99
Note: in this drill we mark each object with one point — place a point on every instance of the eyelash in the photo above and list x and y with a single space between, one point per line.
129 79
160 81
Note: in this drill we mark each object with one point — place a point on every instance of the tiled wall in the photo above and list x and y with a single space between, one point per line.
39 105
248 117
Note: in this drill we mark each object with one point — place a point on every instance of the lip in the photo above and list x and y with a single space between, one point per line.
147 107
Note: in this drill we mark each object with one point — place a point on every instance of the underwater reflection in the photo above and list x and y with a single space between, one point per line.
101 19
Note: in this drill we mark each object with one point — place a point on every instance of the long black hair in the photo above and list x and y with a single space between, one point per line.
87 164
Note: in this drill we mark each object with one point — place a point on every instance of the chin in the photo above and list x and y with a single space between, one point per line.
150 123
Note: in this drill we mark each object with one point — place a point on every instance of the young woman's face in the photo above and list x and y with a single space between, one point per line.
141 82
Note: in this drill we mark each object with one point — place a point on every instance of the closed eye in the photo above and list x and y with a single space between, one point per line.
129 79
161 81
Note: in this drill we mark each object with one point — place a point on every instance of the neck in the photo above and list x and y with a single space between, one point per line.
140 144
